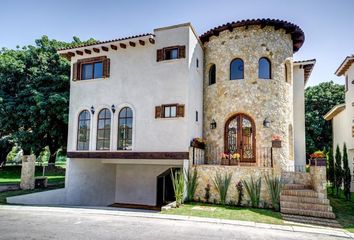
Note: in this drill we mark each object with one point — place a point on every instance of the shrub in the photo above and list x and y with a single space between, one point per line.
274 188
192 184
330 175
239 187
338 172
222 184
346 174
253 189
207 193
178 186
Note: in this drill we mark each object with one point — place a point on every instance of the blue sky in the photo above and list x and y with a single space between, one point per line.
328 24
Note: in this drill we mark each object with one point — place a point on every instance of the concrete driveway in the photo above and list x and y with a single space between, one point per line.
24 222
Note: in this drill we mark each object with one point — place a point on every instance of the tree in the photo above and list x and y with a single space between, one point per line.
338 170
34 95
330 175
346 174
318 101
5 148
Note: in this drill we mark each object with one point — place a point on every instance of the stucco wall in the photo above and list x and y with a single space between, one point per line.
258 98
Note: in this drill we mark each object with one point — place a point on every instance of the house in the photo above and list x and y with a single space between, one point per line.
342 115
136 104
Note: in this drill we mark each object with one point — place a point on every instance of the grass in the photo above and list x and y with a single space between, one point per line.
227 212
12 174
4 195
344 210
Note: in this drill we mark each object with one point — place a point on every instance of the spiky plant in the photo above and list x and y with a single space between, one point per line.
338 171
178 186
192 183
330 175
253 189
347 178
274 187
222 183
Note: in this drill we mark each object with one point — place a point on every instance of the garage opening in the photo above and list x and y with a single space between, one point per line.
165 193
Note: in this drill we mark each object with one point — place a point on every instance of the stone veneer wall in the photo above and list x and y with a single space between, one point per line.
207 173
27 172
258 98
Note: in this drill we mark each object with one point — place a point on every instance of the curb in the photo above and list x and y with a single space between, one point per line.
155 215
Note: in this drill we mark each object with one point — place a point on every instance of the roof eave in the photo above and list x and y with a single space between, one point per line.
334 111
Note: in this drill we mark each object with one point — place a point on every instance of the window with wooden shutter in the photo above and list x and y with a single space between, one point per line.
106 67
91 68
169 53
159 55
169 111
182 52
158 110
74 76
180 111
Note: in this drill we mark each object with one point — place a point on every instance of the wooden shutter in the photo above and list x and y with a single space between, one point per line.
181 51
159 55
180 111
74 76
158 111
106 67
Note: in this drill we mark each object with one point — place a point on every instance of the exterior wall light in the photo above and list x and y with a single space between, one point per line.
266 123
213 124
92 110
113 108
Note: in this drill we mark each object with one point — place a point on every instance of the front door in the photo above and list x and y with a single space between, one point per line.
240 137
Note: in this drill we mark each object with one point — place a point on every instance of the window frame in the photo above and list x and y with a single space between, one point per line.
165 50
269 68
169 106
104 129
124 147
79 129
243 68
93 70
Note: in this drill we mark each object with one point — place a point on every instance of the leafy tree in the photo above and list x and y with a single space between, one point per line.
318 101
330 175
338 170
346 174
34 95
5 147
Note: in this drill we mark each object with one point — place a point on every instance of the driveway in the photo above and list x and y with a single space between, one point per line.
22 222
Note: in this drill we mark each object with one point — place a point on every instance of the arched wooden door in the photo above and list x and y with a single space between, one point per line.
240 137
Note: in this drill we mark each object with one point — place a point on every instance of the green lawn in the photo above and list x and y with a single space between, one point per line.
228 212
344 211
12 174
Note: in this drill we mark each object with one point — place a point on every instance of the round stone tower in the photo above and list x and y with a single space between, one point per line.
244 108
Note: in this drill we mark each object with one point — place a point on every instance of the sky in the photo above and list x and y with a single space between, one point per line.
328 24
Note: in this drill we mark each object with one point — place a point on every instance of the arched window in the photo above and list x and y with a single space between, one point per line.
236 69
104 130
212 74
125 129
83 133
264 68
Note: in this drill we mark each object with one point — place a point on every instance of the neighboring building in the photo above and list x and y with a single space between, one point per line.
136 103
342 115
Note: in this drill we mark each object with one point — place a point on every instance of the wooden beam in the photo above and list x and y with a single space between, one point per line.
79 52
87 51
122 45
71 54
132 43
130 155
142 42
96 50
104 48
152 41
114 47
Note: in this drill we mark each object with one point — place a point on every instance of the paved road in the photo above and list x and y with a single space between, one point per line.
27 223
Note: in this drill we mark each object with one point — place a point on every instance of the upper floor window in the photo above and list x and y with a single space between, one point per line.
169 111
169 53
236 69
91 68
125 129
212 74
83 132
104 130
264 68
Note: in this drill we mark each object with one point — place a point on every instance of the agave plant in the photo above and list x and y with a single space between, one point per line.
222 184
274 188
178 186
192 184
253 189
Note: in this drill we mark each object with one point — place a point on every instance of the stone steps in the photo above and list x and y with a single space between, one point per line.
310 213
311 220
294 186
300 193
312 206
298 199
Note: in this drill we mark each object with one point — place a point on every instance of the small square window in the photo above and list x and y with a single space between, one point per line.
170 111
171 53
92 70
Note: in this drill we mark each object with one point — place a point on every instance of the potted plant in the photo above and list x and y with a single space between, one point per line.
225 159
318 158
198 143
235 159
276 141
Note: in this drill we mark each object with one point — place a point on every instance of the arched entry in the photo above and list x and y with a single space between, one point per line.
240 137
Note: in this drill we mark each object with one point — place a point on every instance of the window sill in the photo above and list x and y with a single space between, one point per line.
170 60
91 80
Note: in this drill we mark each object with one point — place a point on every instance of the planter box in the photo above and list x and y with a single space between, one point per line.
234 161
198 145
276 144
318 161
225 161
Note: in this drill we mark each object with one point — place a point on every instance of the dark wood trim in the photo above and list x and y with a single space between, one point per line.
142 42
152 41
132 43
79 52
104 48
114 47
96 50
130 155
122 45
71 54
87 51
